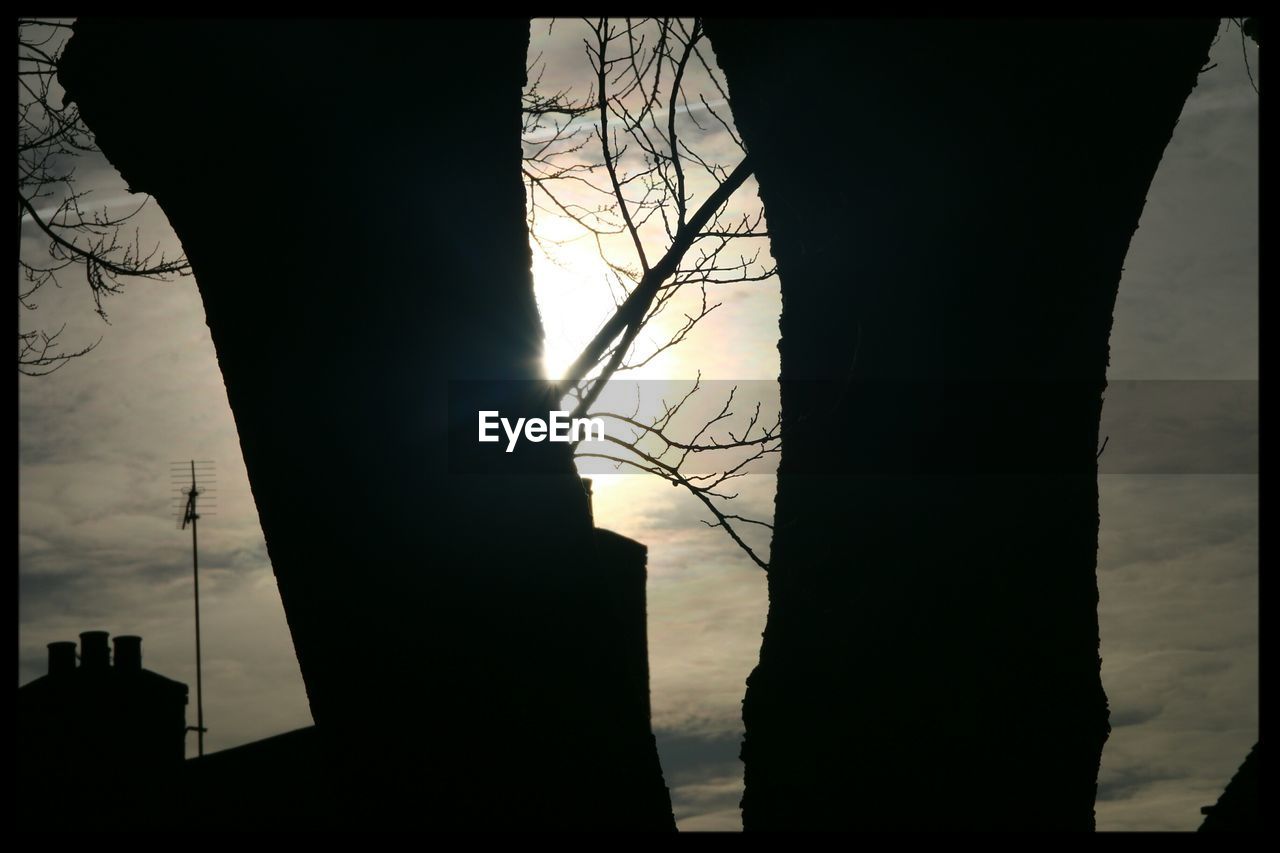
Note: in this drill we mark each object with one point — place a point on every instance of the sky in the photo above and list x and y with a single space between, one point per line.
99 543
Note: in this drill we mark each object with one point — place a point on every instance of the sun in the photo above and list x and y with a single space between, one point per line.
573 300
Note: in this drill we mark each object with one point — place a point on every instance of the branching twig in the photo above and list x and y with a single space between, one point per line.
647 182
51 140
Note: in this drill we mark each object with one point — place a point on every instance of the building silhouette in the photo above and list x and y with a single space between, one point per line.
99 737
101 742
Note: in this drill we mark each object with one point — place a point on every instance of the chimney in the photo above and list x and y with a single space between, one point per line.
94 653
62 657
128 653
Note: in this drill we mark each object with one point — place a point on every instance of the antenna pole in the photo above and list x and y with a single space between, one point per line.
190 515
195 574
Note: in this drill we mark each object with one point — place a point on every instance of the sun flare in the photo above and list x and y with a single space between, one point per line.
574 301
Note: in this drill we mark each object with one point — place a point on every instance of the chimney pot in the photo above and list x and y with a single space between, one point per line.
94 652
128 653
62 657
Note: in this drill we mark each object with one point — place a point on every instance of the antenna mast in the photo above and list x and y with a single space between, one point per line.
191 516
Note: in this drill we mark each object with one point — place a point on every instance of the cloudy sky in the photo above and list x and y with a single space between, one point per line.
99 544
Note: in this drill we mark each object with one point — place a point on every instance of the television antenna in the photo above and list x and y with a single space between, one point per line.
188 497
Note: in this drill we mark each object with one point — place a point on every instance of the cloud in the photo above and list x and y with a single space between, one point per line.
704 774
1177 572
1188 301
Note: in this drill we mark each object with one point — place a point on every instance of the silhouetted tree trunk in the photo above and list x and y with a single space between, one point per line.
350 197
950 205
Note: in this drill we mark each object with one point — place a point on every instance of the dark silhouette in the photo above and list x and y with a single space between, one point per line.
283 782
350 199
100 743
950 229
1237 808
289 780
121 728
949 204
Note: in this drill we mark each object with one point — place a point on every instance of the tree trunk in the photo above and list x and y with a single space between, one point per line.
950 205
350 197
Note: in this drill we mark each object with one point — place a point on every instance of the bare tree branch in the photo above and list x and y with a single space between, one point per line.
51 141
652 187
